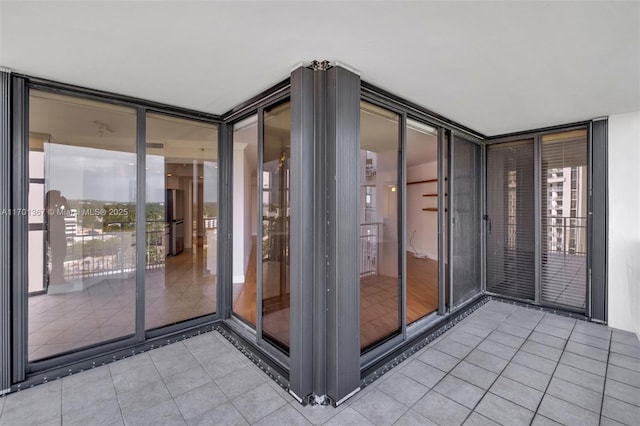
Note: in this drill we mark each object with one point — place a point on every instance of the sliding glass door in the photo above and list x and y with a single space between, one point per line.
82 228
86 268
261 223
245 219
511 219
557 274
275 210
564 219
421 216
181 220
380 262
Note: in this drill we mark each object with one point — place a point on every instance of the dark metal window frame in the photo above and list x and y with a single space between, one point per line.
324 103
446 129
22 368
254 107
595 289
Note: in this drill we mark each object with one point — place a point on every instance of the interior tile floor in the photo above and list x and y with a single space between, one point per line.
183 288
503 364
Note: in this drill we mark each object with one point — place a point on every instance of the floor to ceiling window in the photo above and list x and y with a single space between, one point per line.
421 220
416 189
181 220
511 219
564 219
380 285
275 198
82 193
245 218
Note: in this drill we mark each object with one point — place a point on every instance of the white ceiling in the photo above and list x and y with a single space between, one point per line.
494 67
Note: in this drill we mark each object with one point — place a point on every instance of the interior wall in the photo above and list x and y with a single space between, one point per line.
248 217
239 198
422 226
624 223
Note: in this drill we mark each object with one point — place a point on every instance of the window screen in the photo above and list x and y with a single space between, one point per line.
511 220
564 219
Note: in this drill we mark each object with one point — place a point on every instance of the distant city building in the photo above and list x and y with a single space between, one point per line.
567 209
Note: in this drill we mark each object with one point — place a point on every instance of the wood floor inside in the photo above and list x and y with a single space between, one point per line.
379 301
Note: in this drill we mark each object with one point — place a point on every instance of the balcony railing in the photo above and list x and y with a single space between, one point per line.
562 232
369 233
113 253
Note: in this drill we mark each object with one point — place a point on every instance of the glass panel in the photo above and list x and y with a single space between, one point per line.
422 220
36 202
84 154
465 189
564 219
36 269
245 218
511 225
275 224
181 220
380 285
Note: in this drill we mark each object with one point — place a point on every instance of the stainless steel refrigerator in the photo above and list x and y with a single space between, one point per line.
175 219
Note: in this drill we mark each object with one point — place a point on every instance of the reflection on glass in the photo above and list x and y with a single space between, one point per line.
275 224
379 255
82 191
564 218
422 220
245 218
181 220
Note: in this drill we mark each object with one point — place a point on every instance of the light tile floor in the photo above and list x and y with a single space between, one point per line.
501 365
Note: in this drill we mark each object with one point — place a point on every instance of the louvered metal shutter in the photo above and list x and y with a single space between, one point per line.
511 219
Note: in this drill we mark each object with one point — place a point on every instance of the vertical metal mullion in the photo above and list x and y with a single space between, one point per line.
450 192
18 284
259 229
402 222
5 231
589 223
537 189
442 205
141 180
483 212
225 219
599 203
320 238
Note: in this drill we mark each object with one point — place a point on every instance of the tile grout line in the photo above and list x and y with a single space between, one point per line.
162 379
115 393
501 371
553 373
604 384
473 410
432 388
214 382
452 329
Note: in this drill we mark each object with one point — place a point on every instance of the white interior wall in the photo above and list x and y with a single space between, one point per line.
254 204
239 240
248 217
387 215
624 222
423 223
